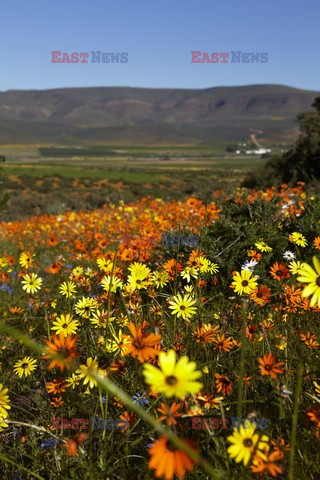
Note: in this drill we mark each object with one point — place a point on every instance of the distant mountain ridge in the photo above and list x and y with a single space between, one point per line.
143 115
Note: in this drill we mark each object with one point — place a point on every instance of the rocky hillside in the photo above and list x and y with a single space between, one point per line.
141 115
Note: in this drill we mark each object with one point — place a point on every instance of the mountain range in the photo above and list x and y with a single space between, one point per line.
125 115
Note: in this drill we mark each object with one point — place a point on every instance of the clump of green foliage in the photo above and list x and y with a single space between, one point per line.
299 164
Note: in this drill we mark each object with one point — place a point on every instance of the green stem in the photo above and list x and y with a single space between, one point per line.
295 419
27 341
123 303
242 357
115 391
11 462
109 294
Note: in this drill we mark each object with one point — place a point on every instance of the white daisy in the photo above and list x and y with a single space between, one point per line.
249 265
289 255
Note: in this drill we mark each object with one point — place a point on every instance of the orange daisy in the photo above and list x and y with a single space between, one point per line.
169 413
223 344
207 401
316 243
57 402
168 461
262 295
254 255
73 444
54 268
127 419
205 333
52 241
314 415
252 332
140 344
268 366
172 268
16 310
310 340
268 465
57 386
194 260
223 384
292 295
61 351
279 271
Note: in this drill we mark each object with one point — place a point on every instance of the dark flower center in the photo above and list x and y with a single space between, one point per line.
171 447
138 344
278 273
247 442
245 283
267 367
318 281
171 380
63 351
182 307
65 325
25 365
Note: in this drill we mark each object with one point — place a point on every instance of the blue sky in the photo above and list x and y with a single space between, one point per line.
159 37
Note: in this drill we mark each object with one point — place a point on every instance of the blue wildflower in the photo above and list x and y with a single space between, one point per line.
140 399
48 442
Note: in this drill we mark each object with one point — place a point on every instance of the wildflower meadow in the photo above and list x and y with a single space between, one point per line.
119 349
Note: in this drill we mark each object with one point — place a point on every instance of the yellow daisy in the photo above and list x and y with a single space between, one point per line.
212 267
86 306
117 343
73 381
312 277
246 443
3 424
183 306
77 271
139 276
189 272
67 289
174 378
26 259
100 319
298 239
262 246
31 283
317 388
104 264
4 402
160 279
244 282
66 324
85 371
116 283
25 366
295 267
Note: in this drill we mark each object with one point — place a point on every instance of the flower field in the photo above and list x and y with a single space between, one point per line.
187 348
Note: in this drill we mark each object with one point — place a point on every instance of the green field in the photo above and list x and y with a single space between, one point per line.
45 179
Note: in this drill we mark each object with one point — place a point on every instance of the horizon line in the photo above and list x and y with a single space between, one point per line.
155 88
